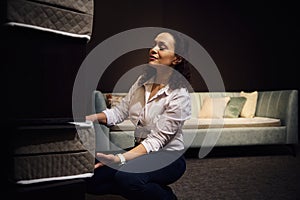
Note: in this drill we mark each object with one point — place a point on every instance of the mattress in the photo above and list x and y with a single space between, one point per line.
52 152
72 18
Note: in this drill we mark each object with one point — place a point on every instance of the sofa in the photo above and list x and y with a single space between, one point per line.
274 120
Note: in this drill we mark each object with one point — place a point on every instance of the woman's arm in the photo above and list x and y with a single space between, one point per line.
106 159
100 117
135 152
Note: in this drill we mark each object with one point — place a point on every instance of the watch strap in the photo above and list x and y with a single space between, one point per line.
122 158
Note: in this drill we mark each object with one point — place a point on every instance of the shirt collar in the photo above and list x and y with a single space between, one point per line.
165 89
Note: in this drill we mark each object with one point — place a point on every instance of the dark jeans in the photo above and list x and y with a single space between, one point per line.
137 179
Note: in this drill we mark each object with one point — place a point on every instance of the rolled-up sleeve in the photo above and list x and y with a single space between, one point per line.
118 113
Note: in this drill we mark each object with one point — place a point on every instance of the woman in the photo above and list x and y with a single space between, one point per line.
158 103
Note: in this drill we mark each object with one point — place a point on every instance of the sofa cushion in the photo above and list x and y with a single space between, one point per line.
213 107
196 123
126 125
249 108
234 107
204 123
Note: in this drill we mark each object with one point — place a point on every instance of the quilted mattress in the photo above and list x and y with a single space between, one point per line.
52 152
72 17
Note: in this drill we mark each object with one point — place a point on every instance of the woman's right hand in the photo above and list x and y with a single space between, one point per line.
100 117
92 117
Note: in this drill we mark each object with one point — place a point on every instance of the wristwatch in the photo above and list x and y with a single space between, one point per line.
122 158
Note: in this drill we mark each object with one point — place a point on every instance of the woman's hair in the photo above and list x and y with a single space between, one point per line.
181 77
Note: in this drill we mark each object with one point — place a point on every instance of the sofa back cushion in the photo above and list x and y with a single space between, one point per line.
278 104
198 98
213 107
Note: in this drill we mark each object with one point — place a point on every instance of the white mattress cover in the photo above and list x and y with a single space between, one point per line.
48 30
54 178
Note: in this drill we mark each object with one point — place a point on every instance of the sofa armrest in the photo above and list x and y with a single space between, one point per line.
292 118
283 105
101 131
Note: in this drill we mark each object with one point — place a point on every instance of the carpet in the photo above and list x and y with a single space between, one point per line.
247 173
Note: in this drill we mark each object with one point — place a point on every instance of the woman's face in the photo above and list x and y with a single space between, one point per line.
163 51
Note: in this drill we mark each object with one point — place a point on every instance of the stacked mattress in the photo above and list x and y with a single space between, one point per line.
72 18
47 152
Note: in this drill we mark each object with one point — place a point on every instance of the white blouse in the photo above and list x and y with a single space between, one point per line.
158 120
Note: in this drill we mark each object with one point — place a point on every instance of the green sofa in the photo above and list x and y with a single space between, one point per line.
272 106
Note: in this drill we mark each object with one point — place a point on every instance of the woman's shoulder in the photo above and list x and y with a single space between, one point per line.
137 84
180 92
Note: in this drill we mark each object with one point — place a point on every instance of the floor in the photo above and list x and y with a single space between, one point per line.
259 172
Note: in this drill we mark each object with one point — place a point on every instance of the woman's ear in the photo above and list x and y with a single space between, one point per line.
177 60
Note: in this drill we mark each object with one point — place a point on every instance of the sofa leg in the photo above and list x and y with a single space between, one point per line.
293 149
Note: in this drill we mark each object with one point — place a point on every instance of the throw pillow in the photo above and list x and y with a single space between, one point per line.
113 99
213 107
249 108
234 107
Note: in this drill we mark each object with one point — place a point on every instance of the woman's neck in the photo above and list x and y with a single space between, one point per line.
163 76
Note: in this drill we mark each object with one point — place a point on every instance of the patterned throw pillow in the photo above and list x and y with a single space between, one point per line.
234 107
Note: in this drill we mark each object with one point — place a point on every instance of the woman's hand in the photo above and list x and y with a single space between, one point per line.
99 164
106 159
92 117
100 117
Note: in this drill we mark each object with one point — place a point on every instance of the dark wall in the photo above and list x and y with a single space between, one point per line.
253 43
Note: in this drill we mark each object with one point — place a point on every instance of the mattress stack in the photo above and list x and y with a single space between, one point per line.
71 18
46 152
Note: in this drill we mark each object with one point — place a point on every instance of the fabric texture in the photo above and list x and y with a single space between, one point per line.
234 107
249 108
213 107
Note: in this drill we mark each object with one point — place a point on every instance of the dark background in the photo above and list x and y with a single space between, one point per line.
253 43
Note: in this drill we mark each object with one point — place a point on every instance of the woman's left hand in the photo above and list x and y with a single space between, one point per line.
106 159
